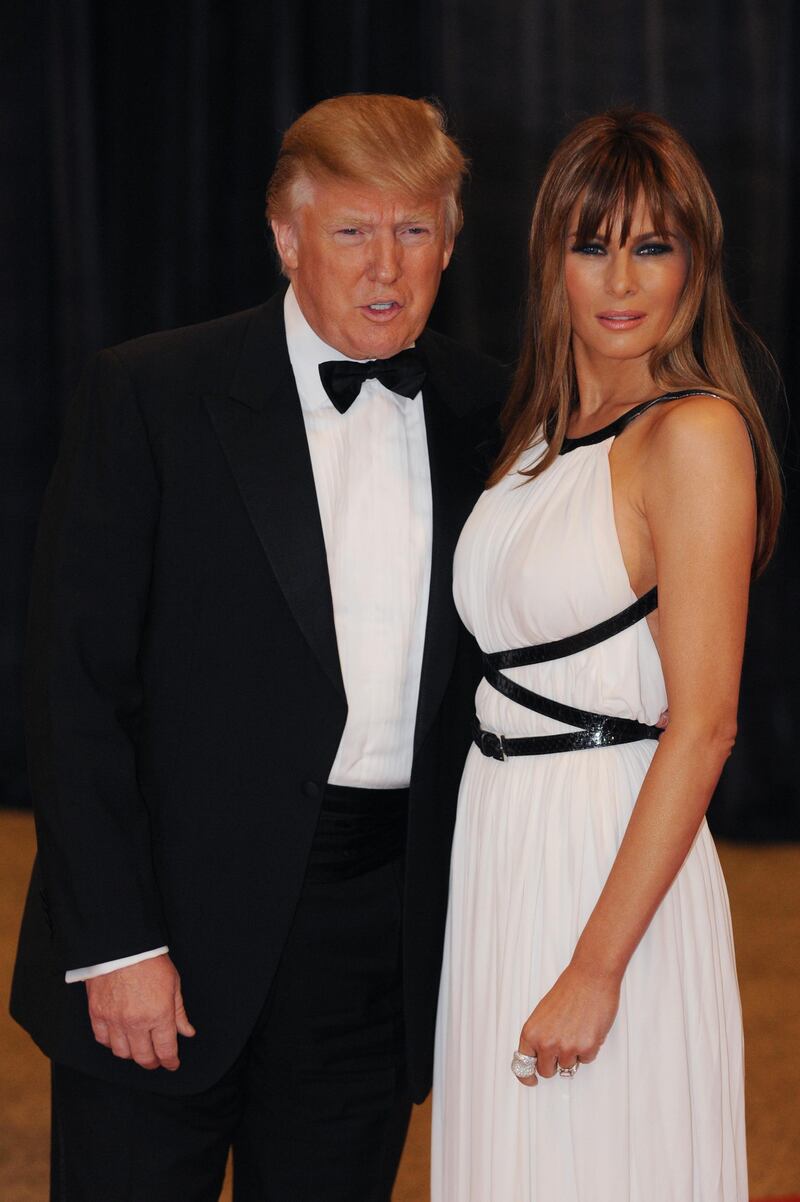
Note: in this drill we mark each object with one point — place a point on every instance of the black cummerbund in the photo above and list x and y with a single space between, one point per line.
358 830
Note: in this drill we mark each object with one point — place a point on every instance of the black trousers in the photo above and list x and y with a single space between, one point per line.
316 1108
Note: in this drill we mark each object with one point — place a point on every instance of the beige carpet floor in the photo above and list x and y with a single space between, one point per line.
764 885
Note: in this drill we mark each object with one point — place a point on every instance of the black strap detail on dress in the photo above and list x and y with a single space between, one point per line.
595 730
605 725
616 427
498 747
523 657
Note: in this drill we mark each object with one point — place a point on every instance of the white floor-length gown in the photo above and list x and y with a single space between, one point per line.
659 1116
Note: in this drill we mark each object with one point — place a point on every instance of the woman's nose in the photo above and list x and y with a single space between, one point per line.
621 276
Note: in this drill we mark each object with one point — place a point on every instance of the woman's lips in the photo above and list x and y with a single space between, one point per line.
621 319
381 311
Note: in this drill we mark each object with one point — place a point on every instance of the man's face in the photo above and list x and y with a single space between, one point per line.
365 265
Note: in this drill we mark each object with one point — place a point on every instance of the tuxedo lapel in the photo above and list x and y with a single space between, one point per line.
452 493
260 425
461 397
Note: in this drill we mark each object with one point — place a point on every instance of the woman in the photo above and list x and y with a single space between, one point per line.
589 931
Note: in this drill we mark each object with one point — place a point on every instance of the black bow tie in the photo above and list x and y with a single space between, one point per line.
342 378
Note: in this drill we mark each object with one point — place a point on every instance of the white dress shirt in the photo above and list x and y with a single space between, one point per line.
372 479
373 484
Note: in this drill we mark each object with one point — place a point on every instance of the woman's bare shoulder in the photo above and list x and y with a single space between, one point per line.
698 433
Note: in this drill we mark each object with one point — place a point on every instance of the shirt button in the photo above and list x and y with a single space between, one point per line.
311 788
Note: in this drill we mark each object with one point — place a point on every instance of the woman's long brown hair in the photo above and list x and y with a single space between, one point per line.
607 162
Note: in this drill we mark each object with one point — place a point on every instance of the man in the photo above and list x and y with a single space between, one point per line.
247 703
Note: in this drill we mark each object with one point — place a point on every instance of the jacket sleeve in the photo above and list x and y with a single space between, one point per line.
83 691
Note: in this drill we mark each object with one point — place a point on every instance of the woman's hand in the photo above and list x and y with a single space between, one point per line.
571 1022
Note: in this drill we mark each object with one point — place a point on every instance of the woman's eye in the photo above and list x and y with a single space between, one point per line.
654 248
588 248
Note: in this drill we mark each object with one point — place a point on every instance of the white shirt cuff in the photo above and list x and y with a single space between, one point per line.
98 970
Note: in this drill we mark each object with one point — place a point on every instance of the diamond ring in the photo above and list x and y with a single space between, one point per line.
523 1066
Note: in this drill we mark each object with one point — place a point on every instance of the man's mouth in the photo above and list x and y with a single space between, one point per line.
382 310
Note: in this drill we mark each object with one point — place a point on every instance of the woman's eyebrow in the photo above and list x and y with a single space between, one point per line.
654 234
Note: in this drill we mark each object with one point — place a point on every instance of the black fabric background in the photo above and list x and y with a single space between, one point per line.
137 140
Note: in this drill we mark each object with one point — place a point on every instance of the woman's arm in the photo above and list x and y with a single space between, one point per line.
698 497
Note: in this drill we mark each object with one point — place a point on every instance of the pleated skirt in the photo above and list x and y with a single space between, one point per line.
659 1116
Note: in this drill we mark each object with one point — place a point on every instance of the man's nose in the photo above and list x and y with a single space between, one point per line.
385 264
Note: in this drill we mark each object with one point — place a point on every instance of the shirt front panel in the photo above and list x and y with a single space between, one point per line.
372 478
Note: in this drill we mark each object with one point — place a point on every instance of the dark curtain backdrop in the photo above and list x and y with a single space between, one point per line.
137 141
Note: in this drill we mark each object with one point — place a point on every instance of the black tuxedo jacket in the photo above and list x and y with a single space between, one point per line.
184 696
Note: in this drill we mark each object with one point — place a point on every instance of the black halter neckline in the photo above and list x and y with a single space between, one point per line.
616 427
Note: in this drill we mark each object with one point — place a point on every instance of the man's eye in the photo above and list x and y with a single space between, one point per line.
417 229
351 230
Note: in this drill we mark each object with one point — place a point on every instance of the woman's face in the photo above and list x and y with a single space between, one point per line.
623 298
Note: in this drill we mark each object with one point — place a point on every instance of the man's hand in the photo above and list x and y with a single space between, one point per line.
138 1012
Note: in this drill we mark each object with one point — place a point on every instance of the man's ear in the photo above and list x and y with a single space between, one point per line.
448 252
285 234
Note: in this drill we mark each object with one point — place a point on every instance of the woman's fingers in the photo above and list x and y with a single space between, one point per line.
523 1066
546 1065
551 1057
545 1051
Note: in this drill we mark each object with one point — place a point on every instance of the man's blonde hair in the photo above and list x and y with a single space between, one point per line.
388 142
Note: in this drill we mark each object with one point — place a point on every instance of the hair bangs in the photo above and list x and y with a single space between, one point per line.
615 181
